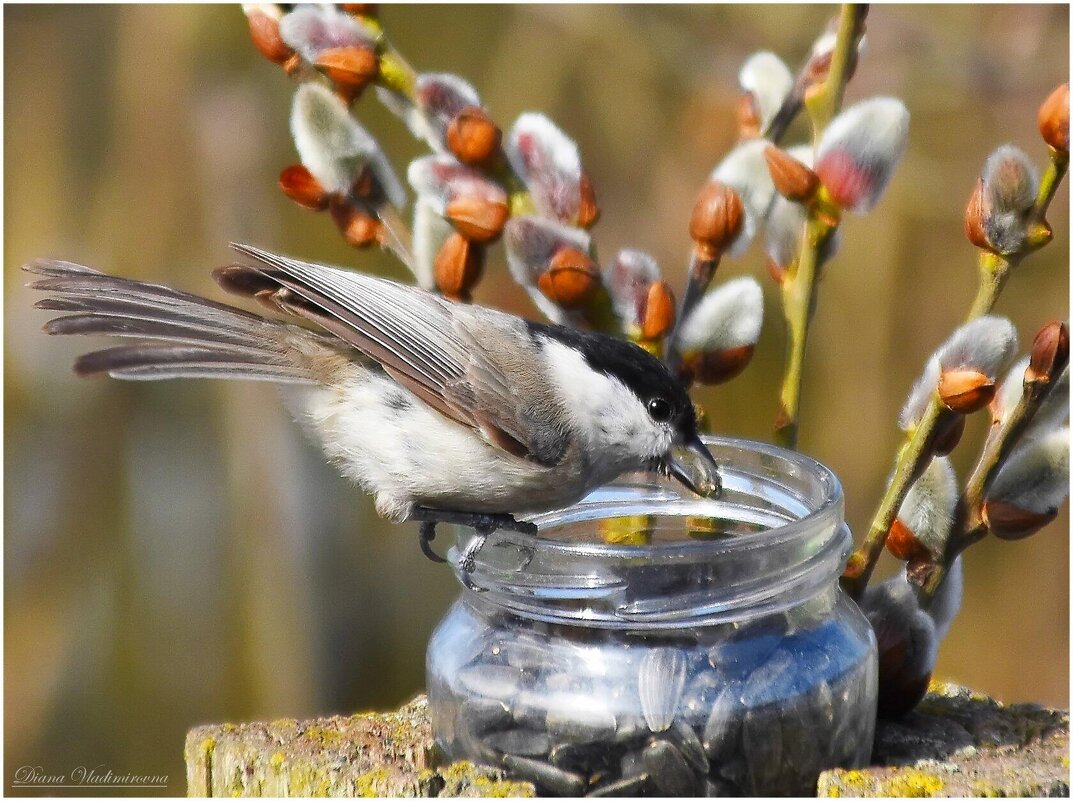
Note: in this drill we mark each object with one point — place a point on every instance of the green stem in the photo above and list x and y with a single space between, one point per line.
798 303
1048 185
799 289
827 101
913 459
994 270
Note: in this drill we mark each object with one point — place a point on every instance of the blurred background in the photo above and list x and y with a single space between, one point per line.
176 553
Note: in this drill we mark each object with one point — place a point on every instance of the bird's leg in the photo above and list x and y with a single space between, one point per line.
426 534
483 524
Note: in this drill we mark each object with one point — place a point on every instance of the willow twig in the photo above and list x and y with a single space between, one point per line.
799 288
916 453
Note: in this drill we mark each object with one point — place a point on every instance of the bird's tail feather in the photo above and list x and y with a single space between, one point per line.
186 336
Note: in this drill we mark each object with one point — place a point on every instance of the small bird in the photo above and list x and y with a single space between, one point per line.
445 412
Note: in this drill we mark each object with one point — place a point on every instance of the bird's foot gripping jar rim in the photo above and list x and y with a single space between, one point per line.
779 539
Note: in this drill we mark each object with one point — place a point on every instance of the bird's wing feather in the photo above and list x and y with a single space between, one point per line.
419 339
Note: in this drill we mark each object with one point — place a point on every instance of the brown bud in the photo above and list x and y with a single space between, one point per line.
300 186
975 214
473 137
1050 352
358 228
362 9
1009 522
965 391
476 218
748 116
659 311
264 31
792 179
458 267
716 220
903 544
948 432
570 280
717 366
588 212
1054 119
349 68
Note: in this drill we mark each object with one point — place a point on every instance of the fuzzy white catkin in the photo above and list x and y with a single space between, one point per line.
727 317
430 232
334 147
311 28
946 602
769 80
928 508
554 183
873 135
530 244
920 395
1010 184
745 170
1035 477
894 603
441 96
1052 412
627 279
986 344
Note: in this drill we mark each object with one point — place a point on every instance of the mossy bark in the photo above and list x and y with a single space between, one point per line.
956 743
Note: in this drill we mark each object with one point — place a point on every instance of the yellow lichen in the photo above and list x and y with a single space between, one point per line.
277 760
911 783
372 783
323 736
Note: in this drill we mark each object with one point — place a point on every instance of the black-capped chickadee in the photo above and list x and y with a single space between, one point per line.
444 412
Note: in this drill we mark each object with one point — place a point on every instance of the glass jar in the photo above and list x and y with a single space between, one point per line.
721 658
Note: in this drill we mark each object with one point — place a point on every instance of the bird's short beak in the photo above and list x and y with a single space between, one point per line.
693 465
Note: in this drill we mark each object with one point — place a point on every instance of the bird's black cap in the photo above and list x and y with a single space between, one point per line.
644 374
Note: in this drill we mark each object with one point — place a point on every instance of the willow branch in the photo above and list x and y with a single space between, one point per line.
969 524
916 453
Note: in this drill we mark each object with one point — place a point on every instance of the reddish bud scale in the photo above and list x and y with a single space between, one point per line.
793 180
458 267
300 186
473 137
716 221
362 9
1050 352
1008 521
477 219
716 367
748 116
588 211
1054 119
975 214
264 31
571 279
349 68
358 228
948 432
965 391
658 313
903 544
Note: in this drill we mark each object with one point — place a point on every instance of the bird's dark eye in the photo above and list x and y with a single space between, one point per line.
659 410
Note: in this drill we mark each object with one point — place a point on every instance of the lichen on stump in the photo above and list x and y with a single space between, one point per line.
366 755
956 743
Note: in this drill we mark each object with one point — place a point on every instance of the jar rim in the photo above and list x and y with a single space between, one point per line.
796 547
829 505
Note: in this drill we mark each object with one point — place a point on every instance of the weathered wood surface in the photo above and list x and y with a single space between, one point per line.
957 743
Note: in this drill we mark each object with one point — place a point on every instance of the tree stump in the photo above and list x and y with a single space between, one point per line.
956 743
